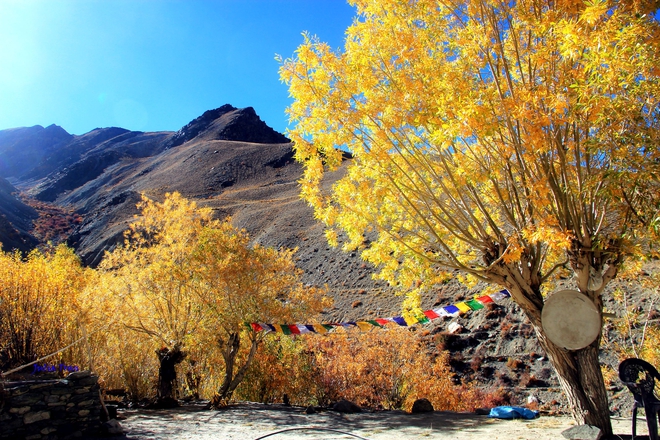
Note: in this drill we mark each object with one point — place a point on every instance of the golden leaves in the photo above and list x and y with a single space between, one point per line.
475 123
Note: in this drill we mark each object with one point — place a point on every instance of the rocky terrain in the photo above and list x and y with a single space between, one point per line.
83 190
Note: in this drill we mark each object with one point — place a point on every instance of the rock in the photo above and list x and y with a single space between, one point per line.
454 328
310 410
112 427
344 406
582 432
482 411
421 406
36 417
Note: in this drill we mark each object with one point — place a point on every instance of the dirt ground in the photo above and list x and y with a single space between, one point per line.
256 421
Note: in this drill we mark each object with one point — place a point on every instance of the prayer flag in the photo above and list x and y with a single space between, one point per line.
452 310
278 328
256 327
411 320
431 314
399 320
302 328
374 322
311 328
463 307
320 328
364 326
485 299
474 304
382 321
500 295
294 329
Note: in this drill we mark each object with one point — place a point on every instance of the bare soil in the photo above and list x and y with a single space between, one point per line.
255 421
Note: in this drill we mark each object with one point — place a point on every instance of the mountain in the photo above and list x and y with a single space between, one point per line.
15 220
227 158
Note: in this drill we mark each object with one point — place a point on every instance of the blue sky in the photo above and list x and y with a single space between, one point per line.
151 65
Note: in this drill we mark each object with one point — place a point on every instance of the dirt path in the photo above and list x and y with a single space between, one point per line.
252 421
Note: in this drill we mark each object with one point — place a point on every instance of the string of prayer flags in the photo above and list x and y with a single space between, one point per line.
452 310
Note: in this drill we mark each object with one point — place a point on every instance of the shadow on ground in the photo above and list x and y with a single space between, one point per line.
253 421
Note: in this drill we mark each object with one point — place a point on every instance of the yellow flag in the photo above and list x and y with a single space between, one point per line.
463 307
364 326
320 329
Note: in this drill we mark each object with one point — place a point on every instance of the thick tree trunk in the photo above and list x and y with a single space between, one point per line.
167 383
578 370
582 382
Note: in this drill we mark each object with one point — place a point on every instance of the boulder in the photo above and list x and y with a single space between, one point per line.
422 406
582 432
345 406
112 427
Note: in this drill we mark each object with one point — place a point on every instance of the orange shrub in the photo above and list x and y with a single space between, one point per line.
383 368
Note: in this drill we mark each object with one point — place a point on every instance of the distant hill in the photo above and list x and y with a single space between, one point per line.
227 158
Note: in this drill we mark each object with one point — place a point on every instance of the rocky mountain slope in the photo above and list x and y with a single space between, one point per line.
87 186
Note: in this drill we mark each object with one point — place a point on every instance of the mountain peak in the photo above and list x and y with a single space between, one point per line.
231 124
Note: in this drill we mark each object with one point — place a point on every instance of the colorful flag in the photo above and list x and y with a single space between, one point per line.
474 304
450 310
320 328
399 320
463 307
485 299
364 325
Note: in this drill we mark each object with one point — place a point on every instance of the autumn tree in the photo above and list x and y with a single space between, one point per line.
511 141
152 283
183 278
42 306
246 283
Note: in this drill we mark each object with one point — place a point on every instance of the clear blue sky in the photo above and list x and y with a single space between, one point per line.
151 65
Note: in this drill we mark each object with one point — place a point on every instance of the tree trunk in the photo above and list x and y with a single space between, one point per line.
167 383
582 382
578 370
230 350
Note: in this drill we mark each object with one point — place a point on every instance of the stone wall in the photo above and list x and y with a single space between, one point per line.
50 408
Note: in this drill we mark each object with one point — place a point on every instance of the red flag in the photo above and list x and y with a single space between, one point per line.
294 329
256 327
431 314
485 299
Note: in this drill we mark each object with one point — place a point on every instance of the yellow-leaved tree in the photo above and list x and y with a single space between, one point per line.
246 283
183 279
508 140
42 307
152 283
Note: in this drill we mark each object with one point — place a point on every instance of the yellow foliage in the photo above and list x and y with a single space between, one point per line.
483 133
185 282
42 308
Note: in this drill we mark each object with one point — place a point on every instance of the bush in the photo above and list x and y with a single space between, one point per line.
384 368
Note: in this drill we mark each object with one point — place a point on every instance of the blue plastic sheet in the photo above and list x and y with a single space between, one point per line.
512 412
